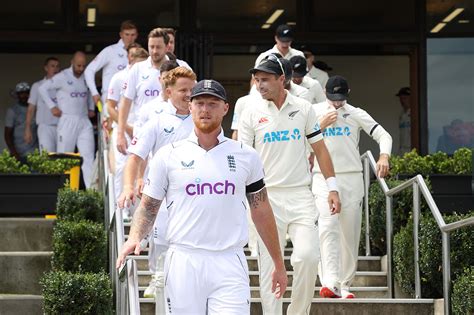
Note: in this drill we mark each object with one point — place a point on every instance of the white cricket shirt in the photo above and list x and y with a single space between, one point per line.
111 60
43 113
149 110
342 137
315 91
205 191
274 50
280 136
318 74
73 97
240 105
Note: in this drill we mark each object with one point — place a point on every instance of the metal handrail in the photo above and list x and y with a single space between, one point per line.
418 184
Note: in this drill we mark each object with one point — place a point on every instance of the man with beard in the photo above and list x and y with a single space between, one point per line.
74 108
205 179
15 125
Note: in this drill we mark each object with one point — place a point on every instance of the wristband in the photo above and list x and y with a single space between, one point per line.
332 184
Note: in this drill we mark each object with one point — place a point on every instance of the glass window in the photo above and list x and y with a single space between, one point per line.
450 82
449 17
30 15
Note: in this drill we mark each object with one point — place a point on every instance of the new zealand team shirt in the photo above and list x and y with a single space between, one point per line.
43 113
111 60
280 136
205 191
73 97
342 137
164 128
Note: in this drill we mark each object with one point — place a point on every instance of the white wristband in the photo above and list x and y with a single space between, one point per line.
332 184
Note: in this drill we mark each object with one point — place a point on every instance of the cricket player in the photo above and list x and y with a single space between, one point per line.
37 109
74 108
278 127
339 234
204 179
315 91
111 60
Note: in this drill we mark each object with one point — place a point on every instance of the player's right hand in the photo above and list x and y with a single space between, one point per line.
121 144
56 112
127 197
279 282
328 119
96 98
130 246
27 136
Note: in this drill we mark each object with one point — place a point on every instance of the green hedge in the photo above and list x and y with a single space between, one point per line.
79 247
10 165
73 205
67 293
462 247
463 293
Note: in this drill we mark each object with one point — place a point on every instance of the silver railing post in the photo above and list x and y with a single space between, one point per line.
389 218
446 272
366 205
416 247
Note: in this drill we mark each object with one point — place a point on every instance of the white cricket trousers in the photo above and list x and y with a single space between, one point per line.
120 161
206 282
159 263
339 234
296 214
158 243
47 137
77 131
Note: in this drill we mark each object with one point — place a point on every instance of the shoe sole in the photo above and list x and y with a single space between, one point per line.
148 296
326 293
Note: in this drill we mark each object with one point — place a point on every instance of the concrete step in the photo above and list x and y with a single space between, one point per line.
14 304
26 234
21 271
362 278
339 306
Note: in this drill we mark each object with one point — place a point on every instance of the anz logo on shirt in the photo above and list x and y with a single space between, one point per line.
282 136
336 131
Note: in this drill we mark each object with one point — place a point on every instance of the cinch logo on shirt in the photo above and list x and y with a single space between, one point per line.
282 135
121 67
336 131
149 92
219 188
78 94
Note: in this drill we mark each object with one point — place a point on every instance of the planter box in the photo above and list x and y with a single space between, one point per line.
29 194
444 184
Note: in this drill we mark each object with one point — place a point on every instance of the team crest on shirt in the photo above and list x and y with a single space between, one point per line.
121 55
345 115
158 111
292 114
231 163
187 166
169 131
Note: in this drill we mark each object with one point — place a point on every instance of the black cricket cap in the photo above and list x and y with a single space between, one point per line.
298 64
209 87
284 33
337 88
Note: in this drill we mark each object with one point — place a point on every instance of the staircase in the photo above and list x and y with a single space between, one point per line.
25 254
370 287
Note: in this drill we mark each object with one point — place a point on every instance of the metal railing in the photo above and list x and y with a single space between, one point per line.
418 184
125 281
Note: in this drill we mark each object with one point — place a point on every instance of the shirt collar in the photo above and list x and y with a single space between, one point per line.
171 108
121 44
287 102
193 137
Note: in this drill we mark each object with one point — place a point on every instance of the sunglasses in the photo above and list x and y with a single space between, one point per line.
275 59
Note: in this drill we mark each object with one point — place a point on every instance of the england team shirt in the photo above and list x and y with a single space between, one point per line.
43 113
205 191
315 91
280 136
149 110
142 84
111 60
167 127
72 94
342 137
274 50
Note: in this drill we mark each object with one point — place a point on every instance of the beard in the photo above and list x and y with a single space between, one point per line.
207 127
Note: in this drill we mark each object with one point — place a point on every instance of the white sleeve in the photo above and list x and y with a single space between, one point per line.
33 99
376 131
95 65
239 106
90 102
183 63
246 132
130 85
306 95
312 130
52 84
115 88
319 95
255 180
156 184
144 141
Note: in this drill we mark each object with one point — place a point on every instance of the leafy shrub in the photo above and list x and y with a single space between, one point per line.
76 205
10 165
41 162
463 161
462 247
463 293
79 247
70 294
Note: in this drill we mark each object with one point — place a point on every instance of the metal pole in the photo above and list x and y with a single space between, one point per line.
366 205
389 202
446 273
416 247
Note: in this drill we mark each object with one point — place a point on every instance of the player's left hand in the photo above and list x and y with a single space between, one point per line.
383 165
334 202
279 281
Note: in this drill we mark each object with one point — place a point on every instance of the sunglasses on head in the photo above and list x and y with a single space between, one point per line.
275 59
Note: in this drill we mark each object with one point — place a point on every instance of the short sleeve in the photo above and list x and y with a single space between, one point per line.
246 132
143 142
33 99
313 131
239 105
156 184
130 85
255 180
115 88
10 118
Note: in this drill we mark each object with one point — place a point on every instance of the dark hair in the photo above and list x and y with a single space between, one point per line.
170 31
159 32
47 60
127 25
133 45
168 65
171 56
